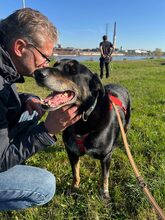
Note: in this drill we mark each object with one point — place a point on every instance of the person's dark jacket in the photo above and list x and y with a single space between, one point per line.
106 47
18 141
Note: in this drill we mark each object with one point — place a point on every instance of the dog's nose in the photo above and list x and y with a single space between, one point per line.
40 74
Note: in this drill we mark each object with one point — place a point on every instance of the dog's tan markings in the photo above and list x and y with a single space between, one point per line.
104 187
105 184
76 175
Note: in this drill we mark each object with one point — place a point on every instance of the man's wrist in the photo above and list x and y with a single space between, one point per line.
50 134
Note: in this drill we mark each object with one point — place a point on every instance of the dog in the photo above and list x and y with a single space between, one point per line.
96 133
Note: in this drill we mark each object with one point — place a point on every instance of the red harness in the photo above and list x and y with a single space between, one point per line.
80 142
117 102
80 139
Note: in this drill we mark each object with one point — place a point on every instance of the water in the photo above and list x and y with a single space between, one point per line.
96 58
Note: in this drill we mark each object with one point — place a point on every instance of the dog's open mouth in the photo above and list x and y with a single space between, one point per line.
58 99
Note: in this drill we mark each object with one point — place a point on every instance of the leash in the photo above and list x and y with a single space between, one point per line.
140 180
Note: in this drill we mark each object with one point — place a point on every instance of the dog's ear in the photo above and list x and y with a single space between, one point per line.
96 85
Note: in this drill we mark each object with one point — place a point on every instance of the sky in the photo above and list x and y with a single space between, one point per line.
140 24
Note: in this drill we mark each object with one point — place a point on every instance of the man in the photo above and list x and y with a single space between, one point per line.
26 43
106 49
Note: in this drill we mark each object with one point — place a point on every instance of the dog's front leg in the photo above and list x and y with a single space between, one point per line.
75 165
104 188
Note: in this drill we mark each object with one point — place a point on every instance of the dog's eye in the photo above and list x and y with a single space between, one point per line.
66 68
69 69
73 70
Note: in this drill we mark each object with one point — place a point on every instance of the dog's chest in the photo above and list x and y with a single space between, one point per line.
75 143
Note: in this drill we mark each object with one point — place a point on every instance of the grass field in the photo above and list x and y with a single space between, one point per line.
145 81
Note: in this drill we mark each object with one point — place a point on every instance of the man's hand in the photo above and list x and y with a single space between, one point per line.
60 119
34 104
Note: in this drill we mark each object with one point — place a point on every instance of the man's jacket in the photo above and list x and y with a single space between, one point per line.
18 141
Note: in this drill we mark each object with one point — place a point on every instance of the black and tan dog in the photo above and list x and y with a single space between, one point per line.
96 133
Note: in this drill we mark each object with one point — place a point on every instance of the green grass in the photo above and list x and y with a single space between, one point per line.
145 81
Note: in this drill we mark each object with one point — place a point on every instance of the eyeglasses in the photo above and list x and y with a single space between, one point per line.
43 55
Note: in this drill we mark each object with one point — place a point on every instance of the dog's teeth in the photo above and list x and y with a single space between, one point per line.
65 94
49 102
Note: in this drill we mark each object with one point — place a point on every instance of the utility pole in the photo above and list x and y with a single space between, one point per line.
23 4
106 30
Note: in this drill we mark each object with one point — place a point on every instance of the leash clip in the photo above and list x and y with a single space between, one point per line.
84 116
141 182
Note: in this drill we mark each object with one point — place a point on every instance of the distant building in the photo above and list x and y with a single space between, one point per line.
140 51
59 50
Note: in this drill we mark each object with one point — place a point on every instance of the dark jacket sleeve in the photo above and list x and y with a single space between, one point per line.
25 139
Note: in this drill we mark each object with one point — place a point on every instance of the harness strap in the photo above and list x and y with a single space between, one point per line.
117 102
80 142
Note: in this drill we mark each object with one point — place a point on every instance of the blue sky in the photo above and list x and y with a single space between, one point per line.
82 23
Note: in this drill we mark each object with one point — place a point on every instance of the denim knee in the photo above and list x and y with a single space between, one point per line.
25 186
48 187
44 186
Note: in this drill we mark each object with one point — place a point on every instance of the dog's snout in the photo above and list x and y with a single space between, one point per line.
40 74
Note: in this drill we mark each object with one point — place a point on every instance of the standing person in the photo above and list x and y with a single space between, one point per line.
26 43
106 49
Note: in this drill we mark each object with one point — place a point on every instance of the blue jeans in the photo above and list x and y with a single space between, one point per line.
25 186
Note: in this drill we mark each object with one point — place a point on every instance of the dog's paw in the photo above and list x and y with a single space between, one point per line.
73 190
104 195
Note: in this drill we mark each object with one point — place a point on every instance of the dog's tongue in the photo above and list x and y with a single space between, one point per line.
55 99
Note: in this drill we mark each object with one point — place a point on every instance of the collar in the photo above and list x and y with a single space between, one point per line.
86 114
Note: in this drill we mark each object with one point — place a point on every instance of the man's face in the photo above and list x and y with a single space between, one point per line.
32 57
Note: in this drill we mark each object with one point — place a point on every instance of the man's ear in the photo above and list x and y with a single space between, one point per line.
18 47
96 85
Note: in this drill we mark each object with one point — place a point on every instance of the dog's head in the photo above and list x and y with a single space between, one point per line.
70 83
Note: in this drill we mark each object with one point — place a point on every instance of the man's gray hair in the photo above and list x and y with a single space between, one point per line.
28 24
